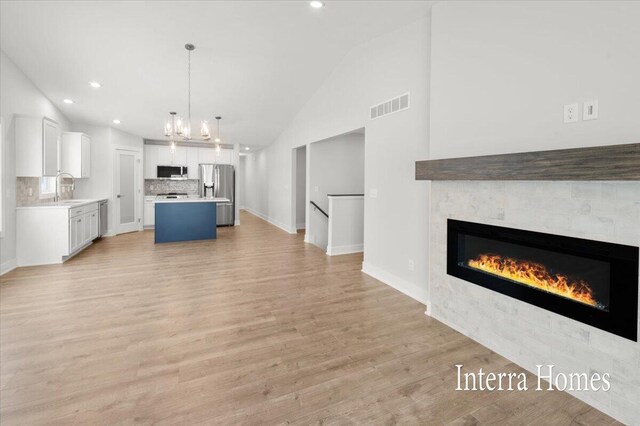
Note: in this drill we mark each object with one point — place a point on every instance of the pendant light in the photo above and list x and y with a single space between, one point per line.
177 127
217 139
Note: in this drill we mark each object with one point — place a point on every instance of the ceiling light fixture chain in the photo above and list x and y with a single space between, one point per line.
176 126
189 48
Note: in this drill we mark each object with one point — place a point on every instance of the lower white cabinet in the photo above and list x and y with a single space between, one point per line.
51 234
83 226
75 233
94 219
149 214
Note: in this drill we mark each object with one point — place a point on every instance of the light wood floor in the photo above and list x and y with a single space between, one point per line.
254 328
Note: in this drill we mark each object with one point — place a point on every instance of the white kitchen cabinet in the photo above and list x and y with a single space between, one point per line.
76 233
51 234
151 161
167 158
86 224
179 157
212 156
160 155
149 214
224 156
164 156
206 155
85 142
37 145
94 227
75 154
192 162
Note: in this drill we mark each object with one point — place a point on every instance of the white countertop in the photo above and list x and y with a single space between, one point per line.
193 200
64 204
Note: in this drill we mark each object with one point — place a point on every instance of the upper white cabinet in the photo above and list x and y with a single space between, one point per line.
179 157
192 163
37 141
225 156
206 155
165 157
75 154
213 156
151 161
160 155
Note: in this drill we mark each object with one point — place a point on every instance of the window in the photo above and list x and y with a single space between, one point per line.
47 187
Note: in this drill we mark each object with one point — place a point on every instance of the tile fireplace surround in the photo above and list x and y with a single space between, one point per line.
523 333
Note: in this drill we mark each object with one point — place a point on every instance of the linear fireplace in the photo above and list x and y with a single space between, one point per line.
589 281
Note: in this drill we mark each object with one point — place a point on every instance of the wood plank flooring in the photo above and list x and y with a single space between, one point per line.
256 327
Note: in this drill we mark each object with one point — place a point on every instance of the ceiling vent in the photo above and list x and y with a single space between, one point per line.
389 107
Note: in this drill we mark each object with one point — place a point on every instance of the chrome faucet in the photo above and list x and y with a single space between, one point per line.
56 198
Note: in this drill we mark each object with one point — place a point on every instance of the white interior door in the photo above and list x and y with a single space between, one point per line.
126 191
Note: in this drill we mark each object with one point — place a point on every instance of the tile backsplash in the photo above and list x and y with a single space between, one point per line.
28 191
161 186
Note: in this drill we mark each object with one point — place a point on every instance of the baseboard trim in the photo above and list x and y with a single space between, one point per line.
396 282
272 221
338 250
8 266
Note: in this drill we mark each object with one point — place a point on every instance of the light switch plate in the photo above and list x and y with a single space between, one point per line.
590 110
373 193
571 113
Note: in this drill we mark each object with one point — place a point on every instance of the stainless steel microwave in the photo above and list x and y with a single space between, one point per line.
172 172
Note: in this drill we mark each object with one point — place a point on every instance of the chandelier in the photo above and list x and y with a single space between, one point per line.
179 128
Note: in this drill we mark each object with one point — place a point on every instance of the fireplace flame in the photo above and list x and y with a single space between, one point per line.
534 275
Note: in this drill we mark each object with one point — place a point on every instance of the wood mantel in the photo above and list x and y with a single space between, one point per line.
613 162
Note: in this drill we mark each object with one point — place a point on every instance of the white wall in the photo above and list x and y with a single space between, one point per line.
336 166
104 141
301 187
396 223
502 72
346 225
19 96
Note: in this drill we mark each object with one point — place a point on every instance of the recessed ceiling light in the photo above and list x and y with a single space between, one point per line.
68 101
316 4
95 84
116 121
247 148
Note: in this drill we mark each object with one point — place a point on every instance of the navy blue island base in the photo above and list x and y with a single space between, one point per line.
185 221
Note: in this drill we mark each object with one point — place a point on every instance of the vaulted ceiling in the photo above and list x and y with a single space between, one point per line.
256 62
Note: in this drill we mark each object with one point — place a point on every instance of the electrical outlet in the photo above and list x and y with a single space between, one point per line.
411 265
590 110
571 113
30 192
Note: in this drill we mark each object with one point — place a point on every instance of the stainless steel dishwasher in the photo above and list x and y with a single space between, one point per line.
104 220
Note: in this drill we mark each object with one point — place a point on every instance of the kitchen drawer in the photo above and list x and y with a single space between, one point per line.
77 211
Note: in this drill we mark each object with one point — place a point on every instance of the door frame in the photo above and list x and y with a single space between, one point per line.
293 227
138 189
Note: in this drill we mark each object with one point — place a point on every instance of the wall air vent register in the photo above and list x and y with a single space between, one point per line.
396 104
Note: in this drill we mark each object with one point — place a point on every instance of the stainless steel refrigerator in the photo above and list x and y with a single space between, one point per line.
218 180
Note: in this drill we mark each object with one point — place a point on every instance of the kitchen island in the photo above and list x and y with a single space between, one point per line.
186 219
